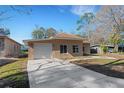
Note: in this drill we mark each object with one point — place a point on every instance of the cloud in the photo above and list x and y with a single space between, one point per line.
63 8
81 9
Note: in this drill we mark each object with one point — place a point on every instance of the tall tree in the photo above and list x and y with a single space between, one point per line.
115 39
38 33
51 32
84 23
108 19
19 9
5 32
4 15
42 33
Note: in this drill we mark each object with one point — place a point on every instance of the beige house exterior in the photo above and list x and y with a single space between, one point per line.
9 47
60 46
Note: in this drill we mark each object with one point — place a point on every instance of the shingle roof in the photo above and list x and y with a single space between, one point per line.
3 36
64 35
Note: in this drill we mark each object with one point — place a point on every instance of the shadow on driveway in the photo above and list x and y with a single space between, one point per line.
59 74
106 69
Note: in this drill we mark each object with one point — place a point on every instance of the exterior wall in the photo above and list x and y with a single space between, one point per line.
2 52
11 48
56 48
30 52
31 48
86 48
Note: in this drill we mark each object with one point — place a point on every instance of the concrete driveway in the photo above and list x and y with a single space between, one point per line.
55 73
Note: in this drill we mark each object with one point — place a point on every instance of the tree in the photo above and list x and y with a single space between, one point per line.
85 22
5 32
108 19
18 9
41 33
4 16
38 33
81 34
104 48
51 32
115 39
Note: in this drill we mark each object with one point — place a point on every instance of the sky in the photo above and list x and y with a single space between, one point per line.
59 17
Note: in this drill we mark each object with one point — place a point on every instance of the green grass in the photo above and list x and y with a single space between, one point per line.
107 61
24 52
103 60
13 68
14 74
121 62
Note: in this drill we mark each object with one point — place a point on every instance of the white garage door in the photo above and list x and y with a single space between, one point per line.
42 50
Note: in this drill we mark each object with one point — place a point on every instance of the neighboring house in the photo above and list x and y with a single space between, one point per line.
24 48
60 46
9 47
97 49
121 47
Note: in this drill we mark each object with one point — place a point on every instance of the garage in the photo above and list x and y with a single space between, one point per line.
42 50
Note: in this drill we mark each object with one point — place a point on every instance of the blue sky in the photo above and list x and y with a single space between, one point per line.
58 17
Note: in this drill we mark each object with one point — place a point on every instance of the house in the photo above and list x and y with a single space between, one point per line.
97 49
24 48
60 46
9 47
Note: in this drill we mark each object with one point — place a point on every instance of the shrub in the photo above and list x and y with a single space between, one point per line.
104 48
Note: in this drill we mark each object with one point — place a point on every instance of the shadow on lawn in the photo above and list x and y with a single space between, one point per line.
19 80
111 63
105 69
6 61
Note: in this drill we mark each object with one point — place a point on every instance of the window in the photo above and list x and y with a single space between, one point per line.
63 48
1 44
75 49
83 49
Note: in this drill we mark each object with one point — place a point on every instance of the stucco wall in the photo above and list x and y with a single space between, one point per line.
86 48
56 48
69 43
11 48
2 52
30 51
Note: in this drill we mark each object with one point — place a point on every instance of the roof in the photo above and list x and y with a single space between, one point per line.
3 36
98 45
63 36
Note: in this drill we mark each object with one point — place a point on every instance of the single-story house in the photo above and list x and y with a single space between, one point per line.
121 47
60 46
96 48
9 47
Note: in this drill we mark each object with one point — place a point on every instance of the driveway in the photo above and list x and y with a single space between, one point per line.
55 73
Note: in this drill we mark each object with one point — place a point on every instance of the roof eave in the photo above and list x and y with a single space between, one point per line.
36 40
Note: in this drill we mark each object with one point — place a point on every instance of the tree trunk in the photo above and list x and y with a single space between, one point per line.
116 48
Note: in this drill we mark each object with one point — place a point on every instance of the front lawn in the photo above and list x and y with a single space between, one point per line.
94 61
14 74
109 67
